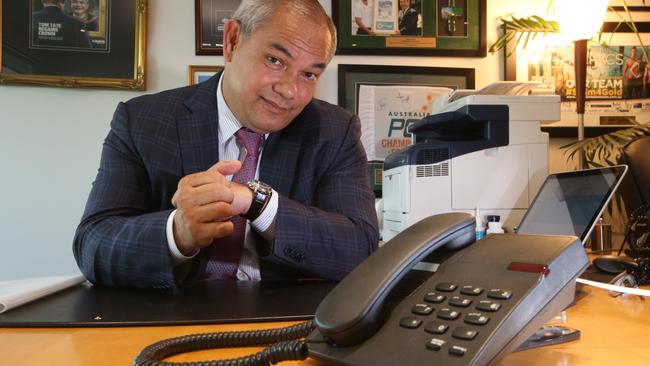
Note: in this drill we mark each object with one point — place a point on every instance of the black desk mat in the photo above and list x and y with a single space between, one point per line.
215 302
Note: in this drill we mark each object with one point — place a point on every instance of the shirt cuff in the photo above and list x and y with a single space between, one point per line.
177 257
267 217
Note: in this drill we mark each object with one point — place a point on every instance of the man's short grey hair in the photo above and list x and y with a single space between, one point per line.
252 13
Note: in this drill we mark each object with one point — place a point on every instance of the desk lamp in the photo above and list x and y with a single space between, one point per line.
580 20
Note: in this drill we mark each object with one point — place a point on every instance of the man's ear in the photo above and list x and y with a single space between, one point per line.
231 38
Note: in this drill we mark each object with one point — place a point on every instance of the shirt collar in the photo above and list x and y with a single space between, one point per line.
228 123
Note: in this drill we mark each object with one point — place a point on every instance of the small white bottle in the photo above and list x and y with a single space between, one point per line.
494 225
480 229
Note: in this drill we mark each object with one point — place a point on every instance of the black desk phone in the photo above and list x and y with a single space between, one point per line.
480 304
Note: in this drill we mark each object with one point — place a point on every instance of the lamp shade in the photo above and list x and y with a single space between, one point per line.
580 19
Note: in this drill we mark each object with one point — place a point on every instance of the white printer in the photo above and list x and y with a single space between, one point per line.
484 151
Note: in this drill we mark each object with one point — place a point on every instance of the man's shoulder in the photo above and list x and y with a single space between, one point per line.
326 111
169 97
323 120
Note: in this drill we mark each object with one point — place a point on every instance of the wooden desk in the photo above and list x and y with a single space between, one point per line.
615 331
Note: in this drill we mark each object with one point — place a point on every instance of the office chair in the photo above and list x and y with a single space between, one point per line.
635 188
635 192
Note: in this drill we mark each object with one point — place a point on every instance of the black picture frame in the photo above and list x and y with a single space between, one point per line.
351 76
38 50
209 17
471 42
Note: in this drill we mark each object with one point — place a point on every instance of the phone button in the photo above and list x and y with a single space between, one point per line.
422 309
464 333
446 287
434 297
410 322
471 290
436 327
500 294
460 301
457 350
476 319
487 305
435 344
448 314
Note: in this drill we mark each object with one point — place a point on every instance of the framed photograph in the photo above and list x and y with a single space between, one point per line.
209 19
351 77
79 43
201 73
411 27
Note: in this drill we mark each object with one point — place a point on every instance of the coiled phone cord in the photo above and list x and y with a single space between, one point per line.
286 344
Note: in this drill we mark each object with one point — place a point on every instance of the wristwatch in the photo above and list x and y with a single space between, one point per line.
261 197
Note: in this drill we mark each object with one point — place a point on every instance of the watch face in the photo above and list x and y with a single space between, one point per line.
262 187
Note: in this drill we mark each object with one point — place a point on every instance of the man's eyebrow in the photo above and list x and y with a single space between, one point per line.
279 47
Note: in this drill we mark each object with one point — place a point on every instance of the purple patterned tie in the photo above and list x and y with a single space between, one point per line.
226 252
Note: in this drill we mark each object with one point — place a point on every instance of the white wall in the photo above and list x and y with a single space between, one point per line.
50 138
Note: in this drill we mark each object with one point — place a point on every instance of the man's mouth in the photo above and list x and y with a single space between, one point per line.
275 107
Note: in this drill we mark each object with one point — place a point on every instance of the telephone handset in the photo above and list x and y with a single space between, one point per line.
352 311
479 305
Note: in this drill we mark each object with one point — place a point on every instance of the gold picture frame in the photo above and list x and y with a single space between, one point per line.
114 57
200 73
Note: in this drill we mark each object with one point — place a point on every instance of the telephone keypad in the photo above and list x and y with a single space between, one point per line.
458 301
449 317
422 309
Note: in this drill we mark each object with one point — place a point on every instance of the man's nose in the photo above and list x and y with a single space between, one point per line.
287 86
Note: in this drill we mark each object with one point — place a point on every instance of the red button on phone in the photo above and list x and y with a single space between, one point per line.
529 267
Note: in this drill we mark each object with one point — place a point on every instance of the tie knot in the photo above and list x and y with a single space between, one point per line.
250 140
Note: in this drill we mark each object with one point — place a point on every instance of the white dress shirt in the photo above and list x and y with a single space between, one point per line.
249 268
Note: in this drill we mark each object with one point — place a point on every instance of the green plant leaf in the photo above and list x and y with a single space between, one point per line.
522 28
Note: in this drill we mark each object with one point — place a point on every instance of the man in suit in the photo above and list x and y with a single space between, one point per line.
52 28
408 19
164 211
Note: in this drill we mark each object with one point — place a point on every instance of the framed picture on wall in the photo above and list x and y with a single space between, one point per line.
201 73
83 43
421 28
209 20
351 77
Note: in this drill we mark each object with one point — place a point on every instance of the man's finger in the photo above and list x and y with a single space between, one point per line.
226 167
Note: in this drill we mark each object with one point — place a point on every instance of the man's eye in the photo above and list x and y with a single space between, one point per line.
274 60
311 76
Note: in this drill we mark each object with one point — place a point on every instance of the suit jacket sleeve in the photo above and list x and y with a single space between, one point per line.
121 239
329 224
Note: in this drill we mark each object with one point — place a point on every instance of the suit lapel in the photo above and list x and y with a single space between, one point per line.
198 129
282 149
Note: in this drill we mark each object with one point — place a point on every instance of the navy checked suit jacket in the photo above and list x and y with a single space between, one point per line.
325 225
